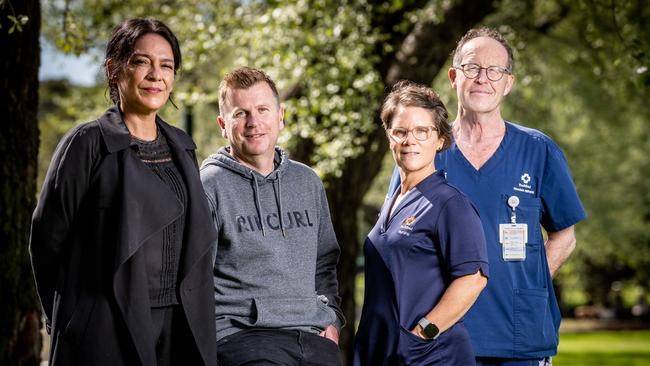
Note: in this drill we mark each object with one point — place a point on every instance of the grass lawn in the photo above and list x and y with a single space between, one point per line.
611 348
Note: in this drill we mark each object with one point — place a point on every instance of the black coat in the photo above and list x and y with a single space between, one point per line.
98 206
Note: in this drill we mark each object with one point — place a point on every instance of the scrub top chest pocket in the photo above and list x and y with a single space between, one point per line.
518 226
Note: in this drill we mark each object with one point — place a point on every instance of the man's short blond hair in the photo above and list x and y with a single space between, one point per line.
244 78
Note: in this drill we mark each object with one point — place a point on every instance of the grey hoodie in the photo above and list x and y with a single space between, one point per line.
280 271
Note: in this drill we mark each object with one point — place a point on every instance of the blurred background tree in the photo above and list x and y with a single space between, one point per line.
582 78
19 311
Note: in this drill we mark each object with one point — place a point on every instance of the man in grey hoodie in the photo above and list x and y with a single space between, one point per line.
276 291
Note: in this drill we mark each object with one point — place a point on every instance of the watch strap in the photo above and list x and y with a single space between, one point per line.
429 329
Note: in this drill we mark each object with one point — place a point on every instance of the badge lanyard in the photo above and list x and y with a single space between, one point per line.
513 236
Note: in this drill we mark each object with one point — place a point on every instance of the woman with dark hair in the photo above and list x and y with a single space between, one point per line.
122 237
425 259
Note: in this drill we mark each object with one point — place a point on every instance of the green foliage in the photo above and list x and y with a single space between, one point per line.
206 132
61 107
322 49
582 78
16 21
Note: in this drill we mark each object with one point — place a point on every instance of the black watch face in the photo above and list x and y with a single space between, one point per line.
430 330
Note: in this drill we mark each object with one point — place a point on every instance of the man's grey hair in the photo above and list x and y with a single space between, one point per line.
483 32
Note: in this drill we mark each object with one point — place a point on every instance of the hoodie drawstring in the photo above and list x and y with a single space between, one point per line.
279 201
258 206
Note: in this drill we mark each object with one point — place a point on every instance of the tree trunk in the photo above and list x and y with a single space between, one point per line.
20 338
419 57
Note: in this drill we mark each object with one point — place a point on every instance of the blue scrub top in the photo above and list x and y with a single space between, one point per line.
433 237
517 315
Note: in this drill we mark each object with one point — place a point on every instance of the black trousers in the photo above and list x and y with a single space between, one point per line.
277 347
174 341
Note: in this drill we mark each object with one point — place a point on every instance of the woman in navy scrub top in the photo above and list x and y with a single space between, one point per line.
425 259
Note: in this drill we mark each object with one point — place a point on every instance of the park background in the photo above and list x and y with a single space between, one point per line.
582 77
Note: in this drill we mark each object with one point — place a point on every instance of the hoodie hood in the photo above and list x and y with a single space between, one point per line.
222 158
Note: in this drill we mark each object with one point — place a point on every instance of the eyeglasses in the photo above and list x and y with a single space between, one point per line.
421 133
493 73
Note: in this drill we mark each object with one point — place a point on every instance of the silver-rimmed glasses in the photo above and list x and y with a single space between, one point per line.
493 73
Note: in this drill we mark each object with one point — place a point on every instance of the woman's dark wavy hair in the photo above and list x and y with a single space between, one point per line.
120 48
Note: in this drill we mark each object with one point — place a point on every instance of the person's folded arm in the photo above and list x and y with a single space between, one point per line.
455 302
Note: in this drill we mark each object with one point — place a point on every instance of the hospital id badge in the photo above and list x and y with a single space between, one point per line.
513 237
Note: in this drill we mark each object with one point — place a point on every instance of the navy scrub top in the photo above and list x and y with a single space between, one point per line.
433 237
516 315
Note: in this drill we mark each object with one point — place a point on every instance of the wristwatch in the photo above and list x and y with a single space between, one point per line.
429 329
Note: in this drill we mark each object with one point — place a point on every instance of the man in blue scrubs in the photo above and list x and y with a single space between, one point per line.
519 180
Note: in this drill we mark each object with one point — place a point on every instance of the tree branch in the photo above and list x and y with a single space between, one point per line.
428 46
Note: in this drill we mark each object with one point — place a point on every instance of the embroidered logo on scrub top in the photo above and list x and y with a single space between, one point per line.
407 226
525 184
